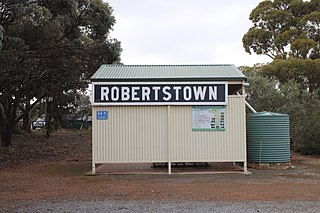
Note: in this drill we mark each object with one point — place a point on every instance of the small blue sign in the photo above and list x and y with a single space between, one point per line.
102 115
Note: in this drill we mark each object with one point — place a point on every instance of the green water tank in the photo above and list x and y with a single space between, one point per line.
268 137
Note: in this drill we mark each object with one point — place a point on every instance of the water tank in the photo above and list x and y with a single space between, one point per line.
268 137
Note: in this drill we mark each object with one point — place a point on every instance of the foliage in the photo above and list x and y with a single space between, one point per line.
259 91
82 104
63 104
71 103
283 28
305 72
307 130
268 94
288 31
50 47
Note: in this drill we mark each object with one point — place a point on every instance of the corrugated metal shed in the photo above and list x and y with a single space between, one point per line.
137 132
111 72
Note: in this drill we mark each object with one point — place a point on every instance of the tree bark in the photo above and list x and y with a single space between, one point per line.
5 128
26 125
6 134
48 119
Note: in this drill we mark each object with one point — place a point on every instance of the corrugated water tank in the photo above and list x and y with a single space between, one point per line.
268 137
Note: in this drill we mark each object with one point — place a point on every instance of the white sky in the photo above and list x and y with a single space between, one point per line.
183 31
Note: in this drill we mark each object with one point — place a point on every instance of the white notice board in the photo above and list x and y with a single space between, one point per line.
212 118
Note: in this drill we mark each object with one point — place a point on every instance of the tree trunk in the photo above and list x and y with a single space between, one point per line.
6 134
48 119
59 118
26 125
5 129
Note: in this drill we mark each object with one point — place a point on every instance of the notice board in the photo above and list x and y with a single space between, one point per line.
208 118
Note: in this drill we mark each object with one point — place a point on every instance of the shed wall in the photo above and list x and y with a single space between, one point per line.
135 134
131 134
228 145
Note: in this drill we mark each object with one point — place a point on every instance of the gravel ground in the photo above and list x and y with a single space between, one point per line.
174 206
47 175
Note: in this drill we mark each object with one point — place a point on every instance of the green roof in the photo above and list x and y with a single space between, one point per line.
220 72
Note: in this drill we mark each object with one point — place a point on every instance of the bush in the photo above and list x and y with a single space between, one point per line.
307 129
303 108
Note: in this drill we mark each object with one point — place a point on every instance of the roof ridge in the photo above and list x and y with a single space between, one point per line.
168 72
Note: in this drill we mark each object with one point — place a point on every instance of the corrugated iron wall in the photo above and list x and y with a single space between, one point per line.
228 145
131 134
144 134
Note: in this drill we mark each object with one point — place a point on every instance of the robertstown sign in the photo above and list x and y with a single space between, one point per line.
160 93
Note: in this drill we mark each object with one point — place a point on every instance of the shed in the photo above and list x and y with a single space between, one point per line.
168 114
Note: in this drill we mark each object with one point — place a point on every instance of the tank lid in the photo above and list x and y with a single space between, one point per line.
268 114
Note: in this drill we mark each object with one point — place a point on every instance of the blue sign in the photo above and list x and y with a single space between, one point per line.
102 115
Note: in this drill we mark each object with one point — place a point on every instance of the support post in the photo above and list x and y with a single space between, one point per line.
245 168
169 139
93 167
93 141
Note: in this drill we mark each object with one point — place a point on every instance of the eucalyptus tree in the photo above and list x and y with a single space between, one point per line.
49 48
284 28
288 31
267 93
306 72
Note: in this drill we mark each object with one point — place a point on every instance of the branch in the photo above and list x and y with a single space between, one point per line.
271 56
74 25
34 104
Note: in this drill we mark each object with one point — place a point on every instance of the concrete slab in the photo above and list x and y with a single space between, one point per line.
179 168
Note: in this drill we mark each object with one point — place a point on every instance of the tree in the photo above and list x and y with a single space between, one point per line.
69 103
50 47
307 128
261 93
288 31
284 28
268 94
306 72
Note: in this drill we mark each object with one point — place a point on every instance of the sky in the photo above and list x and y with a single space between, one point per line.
162 32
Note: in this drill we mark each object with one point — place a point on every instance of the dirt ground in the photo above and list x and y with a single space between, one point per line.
40 169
